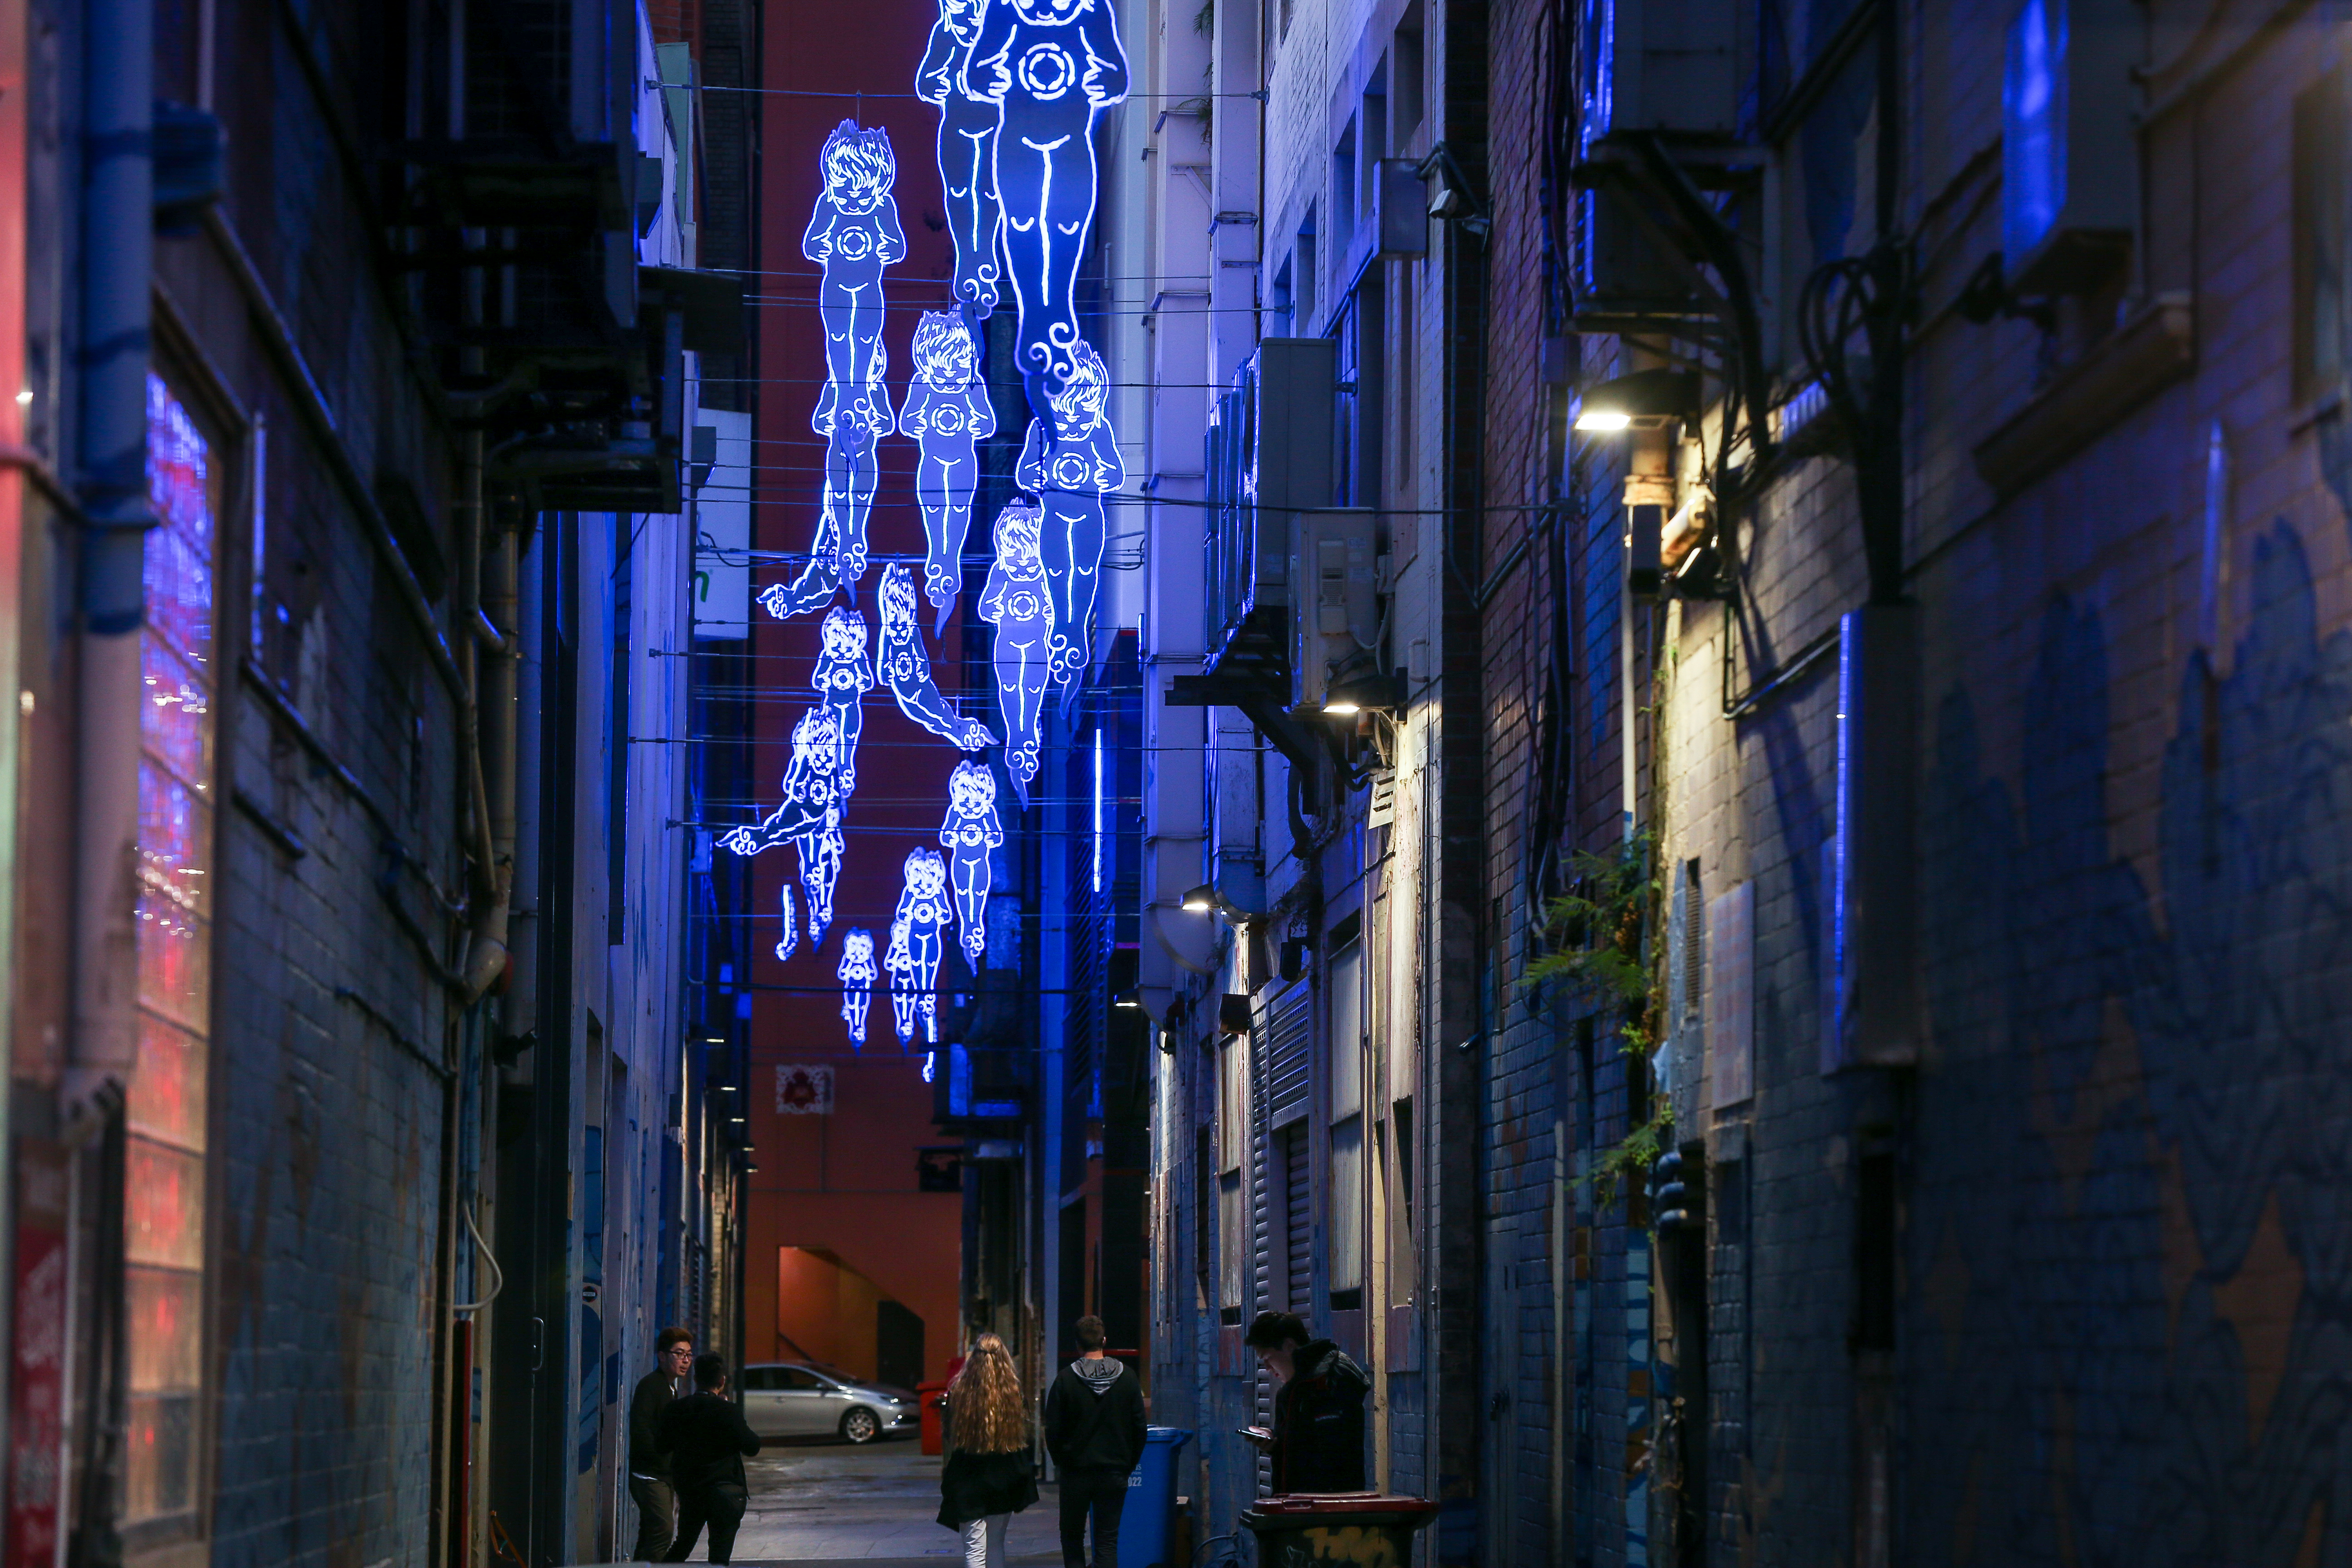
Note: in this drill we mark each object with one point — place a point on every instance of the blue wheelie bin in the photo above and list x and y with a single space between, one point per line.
1147 1527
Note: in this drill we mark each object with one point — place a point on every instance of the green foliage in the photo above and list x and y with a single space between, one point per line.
1596 936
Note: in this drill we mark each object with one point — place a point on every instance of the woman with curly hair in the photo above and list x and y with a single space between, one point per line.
988 1476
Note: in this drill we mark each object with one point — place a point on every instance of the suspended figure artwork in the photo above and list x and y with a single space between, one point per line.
1050 66
809 819
843 678
966 153
791 939
917 932
948 413
906 669
857 975
852 237
1019 602
1070 468
970 831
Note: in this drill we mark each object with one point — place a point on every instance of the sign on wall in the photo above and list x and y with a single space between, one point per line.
802 1090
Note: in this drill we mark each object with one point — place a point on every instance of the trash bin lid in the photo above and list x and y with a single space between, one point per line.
1360 1508
1166 1435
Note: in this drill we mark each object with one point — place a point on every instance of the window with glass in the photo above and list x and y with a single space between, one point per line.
1348 1128
164 1216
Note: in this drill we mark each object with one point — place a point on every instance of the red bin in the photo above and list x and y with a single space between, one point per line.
934 1396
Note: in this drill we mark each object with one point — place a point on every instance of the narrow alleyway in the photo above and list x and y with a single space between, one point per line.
829 1502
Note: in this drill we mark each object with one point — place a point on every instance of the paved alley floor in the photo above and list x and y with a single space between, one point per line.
877 1505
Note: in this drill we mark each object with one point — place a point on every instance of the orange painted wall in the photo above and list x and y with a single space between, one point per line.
846 1183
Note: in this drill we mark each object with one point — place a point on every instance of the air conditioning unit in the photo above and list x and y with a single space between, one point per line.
1670 66
1269 455
1334 609
2070 142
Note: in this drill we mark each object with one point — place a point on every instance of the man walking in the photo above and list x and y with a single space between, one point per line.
650 1486
707 1438
1319 1408
1094 1430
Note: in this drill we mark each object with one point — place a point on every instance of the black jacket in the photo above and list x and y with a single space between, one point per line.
1318 1423
974 1486
1091 1428
707 1439
657 1390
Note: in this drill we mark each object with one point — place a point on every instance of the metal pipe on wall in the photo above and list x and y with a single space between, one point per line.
116 263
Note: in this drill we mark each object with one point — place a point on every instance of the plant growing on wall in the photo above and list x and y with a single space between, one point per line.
1597 935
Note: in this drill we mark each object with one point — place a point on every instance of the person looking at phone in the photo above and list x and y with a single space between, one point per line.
1317 1441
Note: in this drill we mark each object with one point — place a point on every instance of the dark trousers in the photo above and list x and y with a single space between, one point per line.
657 1516
1102 1492
721 1508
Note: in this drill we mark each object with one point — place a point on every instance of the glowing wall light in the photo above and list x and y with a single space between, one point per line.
843 677
947 412
966 153
1019 602
1070 468
970 831
917 932
906 669
809 819
1050 66
857 975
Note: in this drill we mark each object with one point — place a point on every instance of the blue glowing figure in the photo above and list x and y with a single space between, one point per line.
857 975
1019 602
853 235
947 412
843 677
791 938
970 831
906 669
966 153
917 930
820 577
1070 468
809 819
1050 66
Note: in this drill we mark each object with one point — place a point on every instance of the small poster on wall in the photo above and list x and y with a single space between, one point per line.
803 1090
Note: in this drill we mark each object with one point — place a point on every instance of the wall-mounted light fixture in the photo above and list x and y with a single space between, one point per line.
1127 999
1205 899
1364 688
1644 400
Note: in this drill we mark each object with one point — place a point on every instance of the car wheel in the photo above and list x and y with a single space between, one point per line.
861 1426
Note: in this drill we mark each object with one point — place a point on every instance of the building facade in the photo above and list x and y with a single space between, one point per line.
356 1153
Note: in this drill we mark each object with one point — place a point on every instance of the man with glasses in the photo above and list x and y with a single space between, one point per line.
649 1476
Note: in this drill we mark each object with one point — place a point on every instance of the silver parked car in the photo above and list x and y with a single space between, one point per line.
792 1399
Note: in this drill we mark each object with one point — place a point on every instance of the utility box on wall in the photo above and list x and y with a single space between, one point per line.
1871 1010
1334 607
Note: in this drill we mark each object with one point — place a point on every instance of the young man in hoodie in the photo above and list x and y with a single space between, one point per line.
1319 1408
1094 1430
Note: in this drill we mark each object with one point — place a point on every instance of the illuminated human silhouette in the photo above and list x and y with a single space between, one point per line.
1018 601
906 669
820 577
809 818
853 236
970 831
843 677
967 153
947 412
917 934
857 975
1070 468
1050 66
